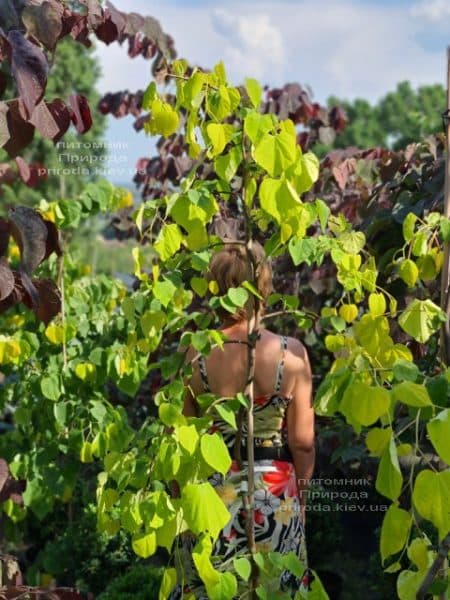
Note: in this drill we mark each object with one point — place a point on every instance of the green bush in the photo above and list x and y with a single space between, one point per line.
140 582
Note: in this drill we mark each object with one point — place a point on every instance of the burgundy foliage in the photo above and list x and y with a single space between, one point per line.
29 34
37 238
10 488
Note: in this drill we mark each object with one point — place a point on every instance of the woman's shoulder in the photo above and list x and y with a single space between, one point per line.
293 344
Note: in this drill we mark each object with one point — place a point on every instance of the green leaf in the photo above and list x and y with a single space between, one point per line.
420 244
250 191
277 198
225 588
197 237
199 285
215 452
275 152
309 172
227 414
168 241
421 319
377 439
195 497
251 288
85 370
439 432
188 437
364 403
427 267
221 103
377 304
243 568
409 272
445 229
394 531
408 584
412 394
164 290
389 477
408 226
144 544
164 119
256 125
431 497
60 413
152 321
170 415
324 212
330 392
254 91
149 95
219 70
238 296
219 136
419 554
201 556
227 164
51 387
302 250
86 452
405 370
352 241
168 582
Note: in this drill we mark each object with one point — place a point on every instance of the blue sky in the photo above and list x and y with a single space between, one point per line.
347 48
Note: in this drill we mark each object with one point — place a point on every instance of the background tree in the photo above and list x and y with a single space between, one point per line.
396 120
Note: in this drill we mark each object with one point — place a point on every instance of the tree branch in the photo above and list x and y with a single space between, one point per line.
443 550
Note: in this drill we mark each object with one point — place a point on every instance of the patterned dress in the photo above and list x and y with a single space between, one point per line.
278 521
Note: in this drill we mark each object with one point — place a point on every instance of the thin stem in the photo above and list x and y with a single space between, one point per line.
63 308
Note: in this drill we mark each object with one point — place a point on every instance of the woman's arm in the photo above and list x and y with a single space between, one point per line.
300 423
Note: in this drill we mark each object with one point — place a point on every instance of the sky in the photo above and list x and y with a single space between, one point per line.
345 48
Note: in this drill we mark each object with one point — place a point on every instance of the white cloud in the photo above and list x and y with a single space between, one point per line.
431 10
253 43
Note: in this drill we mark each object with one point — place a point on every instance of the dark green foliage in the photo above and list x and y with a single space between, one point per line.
75 554
399 118
140 582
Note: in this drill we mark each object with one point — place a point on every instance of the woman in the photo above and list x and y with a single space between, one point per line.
283 425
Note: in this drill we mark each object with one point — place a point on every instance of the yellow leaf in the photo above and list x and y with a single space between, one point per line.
213 287
377 304
348 312
55 334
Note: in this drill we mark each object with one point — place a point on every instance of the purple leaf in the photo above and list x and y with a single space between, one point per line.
81 113
95 14
4 236
52 119
44 22
29 67
4 129
30 174
6 283
20 131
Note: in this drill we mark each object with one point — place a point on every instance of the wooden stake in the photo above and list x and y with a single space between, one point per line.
440 565
445 275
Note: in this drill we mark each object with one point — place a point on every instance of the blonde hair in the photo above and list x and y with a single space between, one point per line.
230 268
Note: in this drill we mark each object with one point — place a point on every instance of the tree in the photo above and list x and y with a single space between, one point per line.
396 120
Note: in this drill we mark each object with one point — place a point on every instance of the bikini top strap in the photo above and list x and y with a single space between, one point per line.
203 373
280 367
